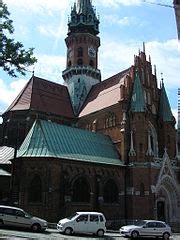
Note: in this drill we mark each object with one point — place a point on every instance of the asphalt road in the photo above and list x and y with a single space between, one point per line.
52 234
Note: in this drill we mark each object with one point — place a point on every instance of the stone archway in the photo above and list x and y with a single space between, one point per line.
166 200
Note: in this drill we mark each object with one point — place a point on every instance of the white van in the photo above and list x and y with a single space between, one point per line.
17 217
83 222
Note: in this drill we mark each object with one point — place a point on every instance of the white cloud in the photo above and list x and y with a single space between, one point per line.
117 3
115 19
50 67
40 6
10 92
166 55
116 56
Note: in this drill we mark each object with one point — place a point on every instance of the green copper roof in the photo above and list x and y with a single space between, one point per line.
83 18
83 6
137 99
47 139
164 106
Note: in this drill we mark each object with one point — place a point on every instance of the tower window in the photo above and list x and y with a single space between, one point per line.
69 64
91 63
80 61
80 52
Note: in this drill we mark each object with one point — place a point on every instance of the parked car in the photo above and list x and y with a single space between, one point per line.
149 228
83 222
17 217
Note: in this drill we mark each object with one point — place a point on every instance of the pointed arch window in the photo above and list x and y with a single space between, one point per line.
35 190
91 63
110 120
110 192
80 52
80 62
142 189
69 64
81 190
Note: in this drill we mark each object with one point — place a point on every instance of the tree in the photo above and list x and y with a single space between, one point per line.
13 57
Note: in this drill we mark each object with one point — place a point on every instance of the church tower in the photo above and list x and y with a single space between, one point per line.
82 43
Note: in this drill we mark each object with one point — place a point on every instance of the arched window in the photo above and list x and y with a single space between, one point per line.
110 192
91 63
69 64
35 190
80 61
141 147
141 189
168 139
110 120
80 52
81 190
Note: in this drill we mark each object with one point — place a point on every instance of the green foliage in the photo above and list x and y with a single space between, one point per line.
13 57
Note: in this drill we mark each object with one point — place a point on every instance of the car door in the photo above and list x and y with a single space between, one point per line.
161 228
81 224
94 223
21 219
8 216
149 229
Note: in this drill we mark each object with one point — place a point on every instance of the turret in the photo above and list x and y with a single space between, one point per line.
82 43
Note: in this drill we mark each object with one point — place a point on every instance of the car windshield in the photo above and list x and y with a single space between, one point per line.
72 216
139 223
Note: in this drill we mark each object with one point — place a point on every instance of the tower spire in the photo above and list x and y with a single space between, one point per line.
137 100
83 6
165 112
82 43
83 18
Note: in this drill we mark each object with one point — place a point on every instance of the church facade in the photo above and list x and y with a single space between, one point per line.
108 146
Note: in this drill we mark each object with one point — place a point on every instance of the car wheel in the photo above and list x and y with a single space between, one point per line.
134 234
100 233
68 231
36 227
166 236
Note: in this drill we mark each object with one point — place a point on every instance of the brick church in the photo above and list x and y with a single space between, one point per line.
94 145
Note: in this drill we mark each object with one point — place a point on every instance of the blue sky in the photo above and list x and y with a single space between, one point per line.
124 26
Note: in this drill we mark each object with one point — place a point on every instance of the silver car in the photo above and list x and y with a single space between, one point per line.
147 228
17 217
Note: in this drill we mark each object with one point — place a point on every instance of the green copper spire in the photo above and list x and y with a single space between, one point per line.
83 6
83 18
137 100
164 107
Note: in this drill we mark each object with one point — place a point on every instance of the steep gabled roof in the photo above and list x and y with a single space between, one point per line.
44 96
104 94
47 139
137 99
165 112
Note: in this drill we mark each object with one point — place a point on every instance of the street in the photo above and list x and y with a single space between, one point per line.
52 234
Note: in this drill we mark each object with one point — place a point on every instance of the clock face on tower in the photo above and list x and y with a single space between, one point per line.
91 52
